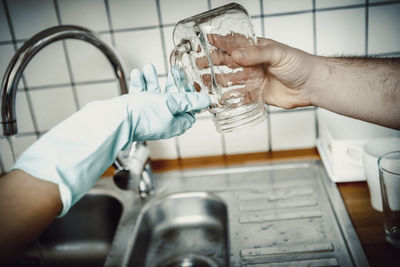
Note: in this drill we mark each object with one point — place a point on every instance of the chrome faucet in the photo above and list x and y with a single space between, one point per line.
136 162
134 170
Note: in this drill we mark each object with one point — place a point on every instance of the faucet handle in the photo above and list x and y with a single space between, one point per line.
147 183
134 170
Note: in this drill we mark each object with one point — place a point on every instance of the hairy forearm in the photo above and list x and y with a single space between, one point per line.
363 88
27 206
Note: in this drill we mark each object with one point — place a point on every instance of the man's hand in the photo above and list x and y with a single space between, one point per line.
282 72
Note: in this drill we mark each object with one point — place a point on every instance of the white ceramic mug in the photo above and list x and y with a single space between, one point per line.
372 150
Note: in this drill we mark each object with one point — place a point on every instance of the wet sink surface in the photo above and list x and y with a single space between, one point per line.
286 214
186 229
81 238
278 215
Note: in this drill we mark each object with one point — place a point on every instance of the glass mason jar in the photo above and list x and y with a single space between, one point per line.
196 65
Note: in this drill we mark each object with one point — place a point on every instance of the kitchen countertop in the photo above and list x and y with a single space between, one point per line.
367 222
369 225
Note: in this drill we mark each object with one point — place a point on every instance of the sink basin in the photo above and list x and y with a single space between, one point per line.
182 229
286 214
81 238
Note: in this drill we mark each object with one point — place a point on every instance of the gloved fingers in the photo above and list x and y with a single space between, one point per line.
182 122
187 102
151 78
170 87
188 116
137 83
179 79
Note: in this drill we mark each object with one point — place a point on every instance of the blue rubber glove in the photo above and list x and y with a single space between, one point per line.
78 150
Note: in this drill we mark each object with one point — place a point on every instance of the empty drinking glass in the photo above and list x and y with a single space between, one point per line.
389 175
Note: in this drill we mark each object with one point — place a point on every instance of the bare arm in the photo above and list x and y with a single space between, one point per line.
27 206
362 88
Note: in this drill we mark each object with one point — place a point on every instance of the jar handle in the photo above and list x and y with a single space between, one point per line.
178 69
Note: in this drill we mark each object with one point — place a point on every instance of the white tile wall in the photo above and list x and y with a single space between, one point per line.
336 3
87 62
173 11
293 130
101 91
294 30
133 13
169 42
335 29
163 149
48 67
6 53
136 29
29 17
51 106
384 29
250 140
273 6
21 143
200 140
137 48
90 14
257 24
377 1
23 113
4 30
252 6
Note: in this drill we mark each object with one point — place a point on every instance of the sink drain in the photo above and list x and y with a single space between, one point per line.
190 261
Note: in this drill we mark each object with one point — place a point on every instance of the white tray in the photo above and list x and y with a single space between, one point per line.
340 144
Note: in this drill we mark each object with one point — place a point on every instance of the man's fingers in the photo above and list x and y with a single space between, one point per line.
244 52
251 56
218 58
248 76
230 42
182 122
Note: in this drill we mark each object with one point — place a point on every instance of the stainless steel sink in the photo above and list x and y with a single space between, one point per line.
286 214
184 229
84 236
81 238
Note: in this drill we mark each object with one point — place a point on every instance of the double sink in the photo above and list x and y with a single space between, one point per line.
286 214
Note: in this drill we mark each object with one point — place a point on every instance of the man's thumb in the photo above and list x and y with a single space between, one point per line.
256 55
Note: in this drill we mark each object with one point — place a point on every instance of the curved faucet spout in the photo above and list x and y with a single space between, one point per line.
31 47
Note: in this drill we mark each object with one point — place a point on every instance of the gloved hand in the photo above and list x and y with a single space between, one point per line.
78 150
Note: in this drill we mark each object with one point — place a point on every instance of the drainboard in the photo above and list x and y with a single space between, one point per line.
278 214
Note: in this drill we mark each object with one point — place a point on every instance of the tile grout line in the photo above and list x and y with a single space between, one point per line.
222 136
366 26
268 119
24 82
163 46
314 18
110 25
67 58
89 82
25 134
160 27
